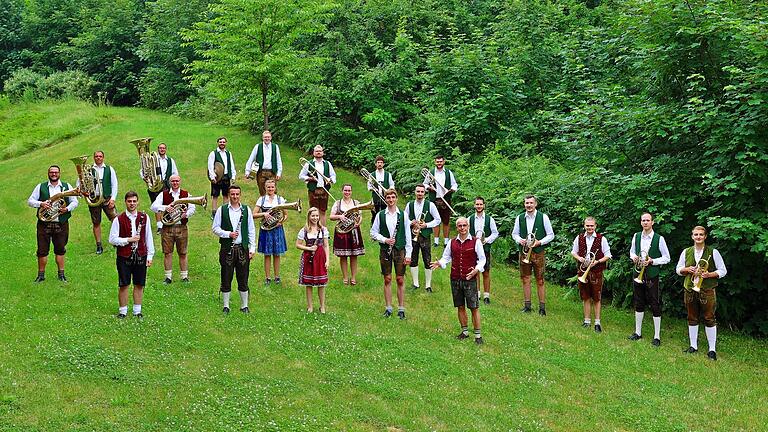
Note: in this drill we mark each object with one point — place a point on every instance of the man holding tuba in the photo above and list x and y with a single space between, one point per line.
54 210
532 232
265 162
591 250
702 266
167 169
175 234
221 172
106 179
423 216
648 252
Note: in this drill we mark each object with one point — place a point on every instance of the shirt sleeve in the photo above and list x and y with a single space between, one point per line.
680 263
408 241
251 232
632 254
279 161
480 257
391 180
211 159
547 229
304 173
248 164
719 264
114 234
575 247
233 174
174 168
665 258
494 232
605 248
216 226
114 183
191 209
454 185
435 216
73 203
157 205
326 233
332 172
34 199
375 229
446 258
300 235
148 239
516 231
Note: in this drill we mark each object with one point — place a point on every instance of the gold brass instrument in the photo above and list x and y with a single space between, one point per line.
701 267
433 182
57 203
353 217
586 266
278 215
530 240
180 207
640 265
90 185
150 165
416 229
377 187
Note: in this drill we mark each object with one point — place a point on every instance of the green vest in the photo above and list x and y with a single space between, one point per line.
217 157
226 225
260 157
447 185
425 232
387 183
384 229
168 172
106 182
538 229
654 252
45 195
326 172
486 229
690 260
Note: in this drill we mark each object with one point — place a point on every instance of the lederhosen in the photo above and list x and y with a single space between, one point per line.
397 257
53 232
486 234
222 187
174 235
233 259
701 303
593 288
538 259
647 293
424 240
318 196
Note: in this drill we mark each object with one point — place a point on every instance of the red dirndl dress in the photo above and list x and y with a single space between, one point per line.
312 271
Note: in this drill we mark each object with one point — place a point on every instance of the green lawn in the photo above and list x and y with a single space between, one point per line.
66 363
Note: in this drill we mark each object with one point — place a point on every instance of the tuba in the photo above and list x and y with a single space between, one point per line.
278 215
353 217
57 202
642 263
377 187
180 206
701 267
150 165
586 266
530 239
91 186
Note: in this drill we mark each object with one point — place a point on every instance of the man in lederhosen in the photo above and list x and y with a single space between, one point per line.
386 180
221 187
585 244
267 157
167 169
176 235
317 187
537 223
441 194
424 216
107 176
482 222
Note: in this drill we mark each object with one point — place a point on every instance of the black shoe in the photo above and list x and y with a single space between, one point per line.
414 287
712 355
185 280
487 300
267 281
225 310
586 324
690 350
167 281
656 342
121 316
245 310
138 316
401 315
39 278
278 281
99 250
159 231
634 337
526 309
63 278
542 312
429 290
387 313
598 329
462 336
479 341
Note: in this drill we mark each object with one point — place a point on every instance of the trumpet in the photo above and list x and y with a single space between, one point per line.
180 206
640 265
353 217
701 267
377 187
416 229
433 182
278 215
314 172
530 239
586 266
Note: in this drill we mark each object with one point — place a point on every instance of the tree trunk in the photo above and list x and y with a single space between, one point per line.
264 111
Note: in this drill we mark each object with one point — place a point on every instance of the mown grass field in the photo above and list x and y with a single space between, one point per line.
66 363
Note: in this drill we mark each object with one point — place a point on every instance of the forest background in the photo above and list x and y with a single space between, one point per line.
603 108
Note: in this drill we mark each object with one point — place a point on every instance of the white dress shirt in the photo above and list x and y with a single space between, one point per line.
379 176
34 199
645 245
234 216
391 221
267 165
590 239
440 180
164 160
212 159
447 258
304 174
116 240
418 208
100 175
158 207
530 219
697 255
480 226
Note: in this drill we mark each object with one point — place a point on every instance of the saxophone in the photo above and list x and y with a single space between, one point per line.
180 206
150 165
91 186
353 217
57 202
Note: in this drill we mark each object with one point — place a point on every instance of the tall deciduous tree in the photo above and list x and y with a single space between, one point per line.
247 49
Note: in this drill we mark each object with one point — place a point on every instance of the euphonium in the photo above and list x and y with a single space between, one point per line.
530 239
433 182
353 217
57 202
377 187
180 207
640 266
150 165
278 215
586 266
701 267
90 186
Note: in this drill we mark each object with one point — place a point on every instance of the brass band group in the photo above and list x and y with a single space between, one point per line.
404 236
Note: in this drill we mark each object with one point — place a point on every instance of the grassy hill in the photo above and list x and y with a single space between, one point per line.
66 363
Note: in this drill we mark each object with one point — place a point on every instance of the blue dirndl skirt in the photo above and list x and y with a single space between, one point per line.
272 242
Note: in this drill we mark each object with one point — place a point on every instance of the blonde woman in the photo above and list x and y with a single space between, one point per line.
313 268
271 242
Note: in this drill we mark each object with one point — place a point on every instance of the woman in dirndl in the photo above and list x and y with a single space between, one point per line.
313 268
347 245
272 242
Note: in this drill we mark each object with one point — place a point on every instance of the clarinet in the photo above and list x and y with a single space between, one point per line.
239 223
134 258
394 235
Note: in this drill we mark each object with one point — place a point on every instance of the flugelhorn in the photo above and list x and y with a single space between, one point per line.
278 215
433 182
530 240
416 229
353 217
640 265
377 187
701 267
586 266
180 207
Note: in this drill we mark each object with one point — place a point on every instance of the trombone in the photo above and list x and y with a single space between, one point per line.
701 267
313 172
433 182
586 266
530 240
377 187
640 265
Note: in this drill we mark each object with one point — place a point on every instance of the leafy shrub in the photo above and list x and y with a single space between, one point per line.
70 84
24 84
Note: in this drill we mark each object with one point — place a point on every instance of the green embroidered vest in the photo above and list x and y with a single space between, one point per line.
486 229
690 260
447 185
426 232
106 182
652 271
311 186
217 157
260 157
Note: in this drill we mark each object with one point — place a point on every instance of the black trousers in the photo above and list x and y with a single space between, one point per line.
647 294
234 261
423 245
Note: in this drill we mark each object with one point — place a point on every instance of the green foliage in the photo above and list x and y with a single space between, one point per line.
11 39
24 84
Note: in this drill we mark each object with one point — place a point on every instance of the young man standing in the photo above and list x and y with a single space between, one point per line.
315 177
265 162
167 169
105 175
586 245
440 193
385 179
424 217
222 158
177 234
483 226
539 227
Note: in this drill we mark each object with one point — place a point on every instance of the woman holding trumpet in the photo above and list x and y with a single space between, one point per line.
702 266
591 250
347 237
319 175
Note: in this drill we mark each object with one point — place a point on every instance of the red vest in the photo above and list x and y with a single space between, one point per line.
463 258
168 198
597 248
125 231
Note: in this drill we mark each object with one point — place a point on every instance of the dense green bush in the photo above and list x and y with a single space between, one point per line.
24 84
